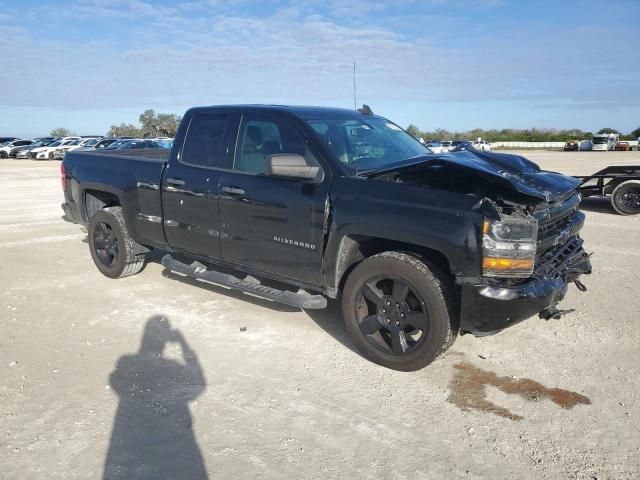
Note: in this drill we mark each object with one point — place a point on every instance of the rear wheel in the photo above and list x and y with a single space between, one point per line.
625 198
112 248
398 311
3 154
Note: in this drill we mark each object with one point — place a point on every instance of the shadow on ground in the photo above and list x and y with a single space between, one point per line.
152 434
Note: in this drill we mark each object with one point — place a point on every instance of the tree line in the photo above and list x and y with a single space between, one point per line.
150 125
517 135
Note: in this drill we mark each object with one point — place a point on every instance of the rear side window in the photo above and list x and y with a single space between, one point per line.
203 144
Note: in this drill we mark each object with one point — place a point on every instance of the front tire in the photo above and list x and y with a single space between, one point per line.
625 198
112 248
398 311
4 155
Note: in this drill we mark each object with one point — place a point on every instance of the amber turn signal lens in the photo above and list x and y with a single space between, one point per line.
485 226
506 264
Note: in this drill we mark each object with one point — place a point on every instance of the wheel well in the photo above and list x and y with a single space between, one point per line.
355 248
95 200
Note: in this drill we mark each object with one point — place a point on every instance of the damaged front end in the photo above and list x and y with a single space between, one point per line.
531 247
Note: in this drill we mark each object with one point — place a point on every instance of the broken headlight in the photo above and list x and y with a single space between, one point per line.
509 247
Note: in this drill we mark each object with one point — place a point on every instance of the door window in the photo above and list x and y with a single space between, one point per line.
203 144
261 136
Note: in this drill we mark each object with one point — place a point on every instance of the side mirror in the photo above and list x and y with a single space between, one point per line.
290 165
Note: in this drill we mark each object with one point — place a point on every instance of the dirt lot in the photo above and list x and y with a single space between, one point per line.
254 390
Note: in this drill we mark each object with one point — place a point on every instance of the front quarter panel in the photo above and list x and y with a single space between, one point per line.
435 219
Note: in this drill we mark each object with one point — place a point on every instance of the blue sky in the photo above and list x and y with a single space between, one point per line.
454 64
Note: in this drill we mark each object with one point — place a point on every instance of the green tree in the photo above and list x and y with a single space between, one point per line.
124 130
414 131
60 132
159 124
635 133
608 130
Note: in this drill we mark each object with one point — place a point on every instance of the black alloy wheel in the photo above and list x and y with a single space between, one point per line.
105 242
391 315
399 310
113 250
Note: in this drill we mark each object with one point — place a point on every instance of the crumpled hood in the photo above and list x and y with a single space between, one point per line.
509 171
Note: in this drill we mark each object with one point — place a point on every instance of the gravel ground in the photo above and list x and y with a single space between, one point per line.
248 389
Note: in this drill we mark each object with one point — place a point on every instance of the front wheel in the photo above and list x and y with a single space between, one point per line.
3 154
625 198
398 311
112 248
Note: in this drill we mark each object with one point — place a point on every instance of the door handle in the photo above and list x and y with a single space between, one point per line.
175 181
233 190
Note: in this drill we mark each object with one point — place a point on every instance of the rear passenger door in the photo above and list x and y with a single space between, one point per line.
190 184
272 223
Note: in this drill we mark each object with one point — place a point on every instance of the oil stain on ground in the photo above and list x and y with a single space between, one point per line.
468 391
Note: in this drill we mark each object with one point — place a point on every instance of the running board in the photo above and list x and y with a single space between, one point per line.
300 299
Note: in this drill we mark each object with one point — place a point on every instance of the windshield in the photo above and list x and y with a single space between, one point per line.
55 144
600 140
90 142
365 143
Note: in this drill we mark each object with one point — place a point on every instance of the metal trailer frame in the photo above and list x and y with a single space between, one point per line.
608 182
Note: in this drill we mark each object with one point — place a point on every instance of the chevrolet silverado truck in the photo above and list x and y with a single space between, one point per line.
301 204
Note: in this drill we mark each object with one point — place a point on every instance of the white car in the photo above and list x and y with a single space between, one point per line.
447 146
482 145
6 147
46 153
435 147
59 152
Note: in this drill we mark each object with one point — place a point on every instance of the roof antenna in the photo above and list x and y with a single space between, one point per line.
354 87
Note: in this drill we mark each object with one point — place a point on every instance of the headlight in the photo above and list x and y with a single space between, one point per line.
509 247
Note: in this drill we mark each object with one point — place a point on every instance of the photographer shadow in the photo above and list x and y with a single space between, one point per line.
152 434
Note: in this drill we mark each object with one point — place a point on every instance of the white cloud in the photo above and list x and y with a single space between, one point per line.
212 52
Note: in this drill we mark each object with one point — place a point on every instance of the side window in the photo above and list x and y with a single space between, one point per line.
261 136
203 143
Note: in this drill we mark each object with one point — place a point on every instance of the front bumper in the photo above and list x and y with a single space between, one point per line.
488 309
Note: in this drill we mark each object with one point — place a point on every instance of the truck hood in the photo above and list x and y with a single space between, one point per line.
509 172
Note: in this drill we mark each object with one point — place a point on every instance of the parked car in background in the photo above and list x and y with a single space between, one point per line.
100 144
571 146
42 153
482 146
8 146
435 147
23 151
447 146
622 147
164 142
139 144
7 139
464 145
117 143
58 153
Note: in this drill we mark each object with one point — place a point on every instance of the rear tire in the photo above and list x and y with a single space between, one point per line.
625 198
399 312
4 155
112 248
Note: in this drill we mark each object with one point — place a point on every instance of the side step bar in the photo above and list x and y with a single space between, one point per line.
300 299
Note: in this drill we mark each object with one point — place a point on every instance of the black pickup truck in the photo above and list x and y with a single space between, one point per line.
297 204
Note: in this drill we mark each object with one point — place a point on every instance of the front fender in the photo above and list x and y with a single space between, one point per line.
429 218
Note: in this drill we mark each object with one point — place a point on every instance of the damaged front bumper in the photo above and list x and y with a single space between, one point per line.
487 309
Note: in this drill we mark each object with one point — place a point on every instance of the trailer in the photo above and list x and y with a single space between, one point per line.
621 183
